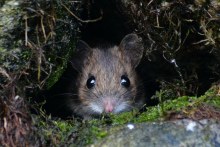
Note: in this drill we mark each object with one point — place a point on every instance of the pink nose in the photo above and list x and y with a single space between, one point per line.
108 106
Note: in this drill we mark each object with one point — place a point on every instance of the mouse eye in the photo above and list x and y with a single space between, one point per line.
125 81
90 82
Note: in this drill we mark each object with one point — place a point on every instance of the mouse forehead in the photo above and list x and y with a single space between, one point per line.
107 63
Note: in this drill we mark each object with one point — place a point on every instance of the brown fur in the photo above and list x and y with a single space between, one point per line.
107 66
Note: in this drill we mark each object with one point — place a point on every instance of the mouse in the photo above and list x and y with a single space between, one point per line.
107 82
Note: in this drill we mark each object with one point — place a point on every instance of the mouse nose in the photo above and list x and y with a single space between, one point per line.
109 106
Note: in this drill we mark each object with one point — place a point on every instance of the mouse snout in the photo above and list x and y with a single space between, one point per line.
109 105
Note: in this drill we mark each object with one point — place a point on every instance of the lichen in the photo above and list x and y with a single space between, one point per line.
10 45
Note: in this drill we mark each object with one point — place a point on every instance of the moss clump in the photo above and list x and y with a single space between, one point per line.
36 42
71 132
54 77
183 106
76 132
51 37
12 58
173 29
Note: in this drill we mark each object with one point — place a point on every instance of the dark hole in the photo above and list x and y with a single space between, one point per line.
110 30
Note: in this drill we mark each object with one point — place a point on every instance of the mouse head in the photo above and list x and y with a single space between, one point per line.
107 81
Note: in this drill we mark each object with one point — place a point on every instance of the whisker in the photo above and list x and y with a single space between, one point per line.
68 94
75 100
130 106
126 92
98 92
88 91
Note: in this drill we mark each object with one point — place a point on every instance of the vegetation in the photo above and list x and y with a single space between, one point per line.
76 132
37 40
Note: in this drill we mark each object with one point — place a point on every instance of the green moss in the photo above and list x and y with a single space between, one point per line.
77 133
212 96
123 118
177 105
152 113
98 132
56 74
68 34
10 44
215 101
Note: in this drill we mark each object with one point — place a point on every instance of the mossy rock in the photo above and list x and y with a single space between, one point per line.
76 132
36 42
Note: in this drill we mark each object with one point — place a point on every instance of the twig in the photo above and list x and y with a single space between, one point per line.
42 27
79 19
4 73
26 31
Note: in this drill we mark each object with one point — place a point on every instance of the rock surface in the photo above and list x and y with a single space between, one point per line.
180 133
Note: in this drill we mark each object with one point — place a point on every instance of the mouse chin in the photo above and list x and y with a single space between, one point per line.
108 107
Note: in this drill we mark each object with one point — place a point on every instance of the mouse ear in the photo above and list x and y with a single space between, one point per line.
80 54
132 47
